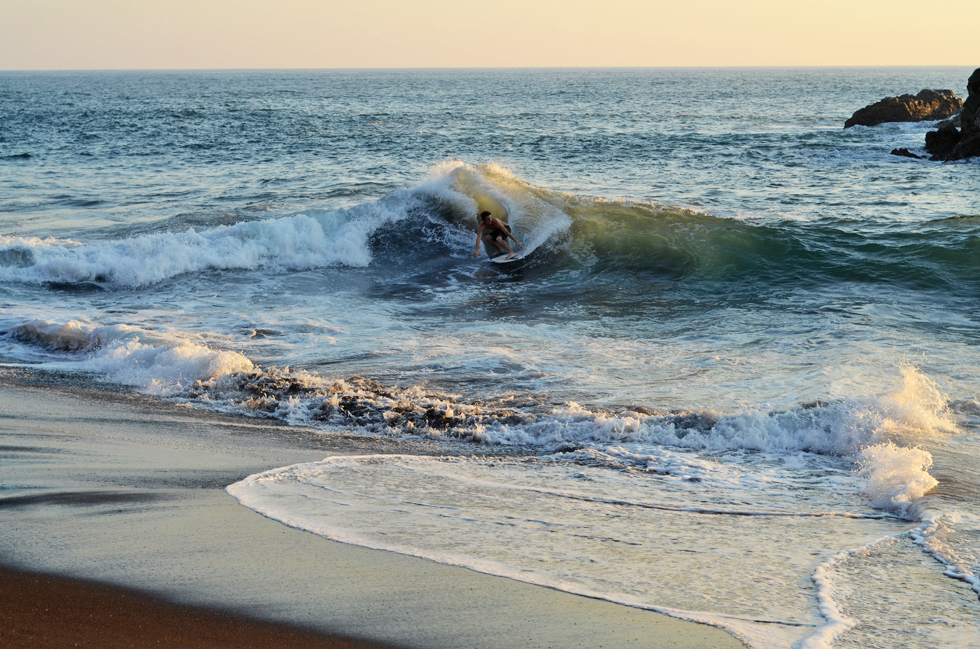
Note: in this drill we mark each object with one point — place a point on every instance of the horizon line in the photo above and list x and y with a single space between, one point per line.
474 68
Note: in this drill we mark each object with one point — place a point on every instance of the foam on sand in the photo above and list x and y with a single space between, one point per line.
584 528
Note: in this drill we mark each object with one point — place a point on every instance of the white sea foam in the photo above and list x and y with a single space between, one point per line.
585 529
159 363
895 476
540 511
837 622
767 461
315 238
857 430
937 535
295 242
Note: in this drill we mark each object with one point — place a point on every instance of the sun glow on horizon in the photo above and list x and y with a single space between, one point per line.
218 34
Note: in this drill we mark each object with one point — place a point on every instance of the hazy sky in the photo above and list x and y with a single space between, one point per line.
169 34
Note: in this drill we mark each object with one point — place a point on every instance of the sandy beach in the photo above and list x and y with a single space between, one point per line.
121 491
46 611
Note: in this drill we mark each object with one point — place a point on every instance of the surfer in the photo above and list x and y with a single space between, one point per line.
497 233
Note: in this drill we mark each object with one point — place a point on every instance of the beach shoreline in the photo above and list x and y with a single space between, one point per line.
129 492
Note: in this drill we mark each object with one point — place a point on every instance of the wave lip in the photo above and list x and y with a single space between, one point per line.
312 239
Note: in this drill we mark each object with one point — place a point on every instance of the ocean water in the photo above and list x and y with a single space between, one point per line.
734 379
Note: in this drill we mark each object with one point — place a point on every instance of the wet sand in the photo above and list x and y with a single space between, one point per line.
41 611
129 492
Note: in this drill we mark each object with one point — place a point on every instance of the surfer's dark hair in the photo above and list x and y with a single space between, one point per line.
484 214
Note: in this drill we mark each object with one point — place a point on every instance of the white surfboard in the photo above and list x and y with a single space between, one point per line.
502 259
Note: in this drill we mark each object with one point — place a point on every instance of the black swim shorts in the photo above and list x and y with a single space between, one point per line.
497 233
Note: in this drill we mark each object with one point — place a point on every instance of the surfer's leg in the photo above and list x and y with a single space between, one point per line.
493 243
503 242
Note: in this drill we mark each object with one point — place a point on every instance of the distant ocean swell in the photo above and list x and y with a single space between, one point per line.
435 222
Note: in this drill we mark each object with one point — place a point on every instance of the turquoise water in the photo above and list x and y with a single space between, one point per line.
727 298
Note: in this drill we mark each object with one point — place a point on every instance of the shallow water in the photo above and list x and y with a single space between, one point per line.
729 304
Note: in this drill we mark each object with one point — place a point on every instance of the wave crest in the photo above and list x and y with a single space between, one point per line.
159 364
579 232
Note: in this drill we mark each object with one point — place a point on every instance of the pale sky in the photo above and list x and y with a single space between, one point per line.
210 34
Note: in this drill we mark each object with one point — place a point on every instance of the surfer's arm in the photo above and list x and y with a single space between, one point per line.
476 250
511 235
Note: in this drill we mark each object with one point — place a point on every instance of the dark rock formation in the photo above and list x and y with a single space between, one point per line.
927 105
969 147
947 143
905 153
940 143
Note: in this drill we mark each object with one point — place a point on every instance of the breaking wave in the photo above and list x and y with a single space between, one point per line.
601 236
158 363
873 433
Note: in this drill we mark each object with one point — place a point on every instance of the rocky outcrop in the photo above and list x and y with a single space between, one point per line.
941 142
905 153
949 143
927 105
